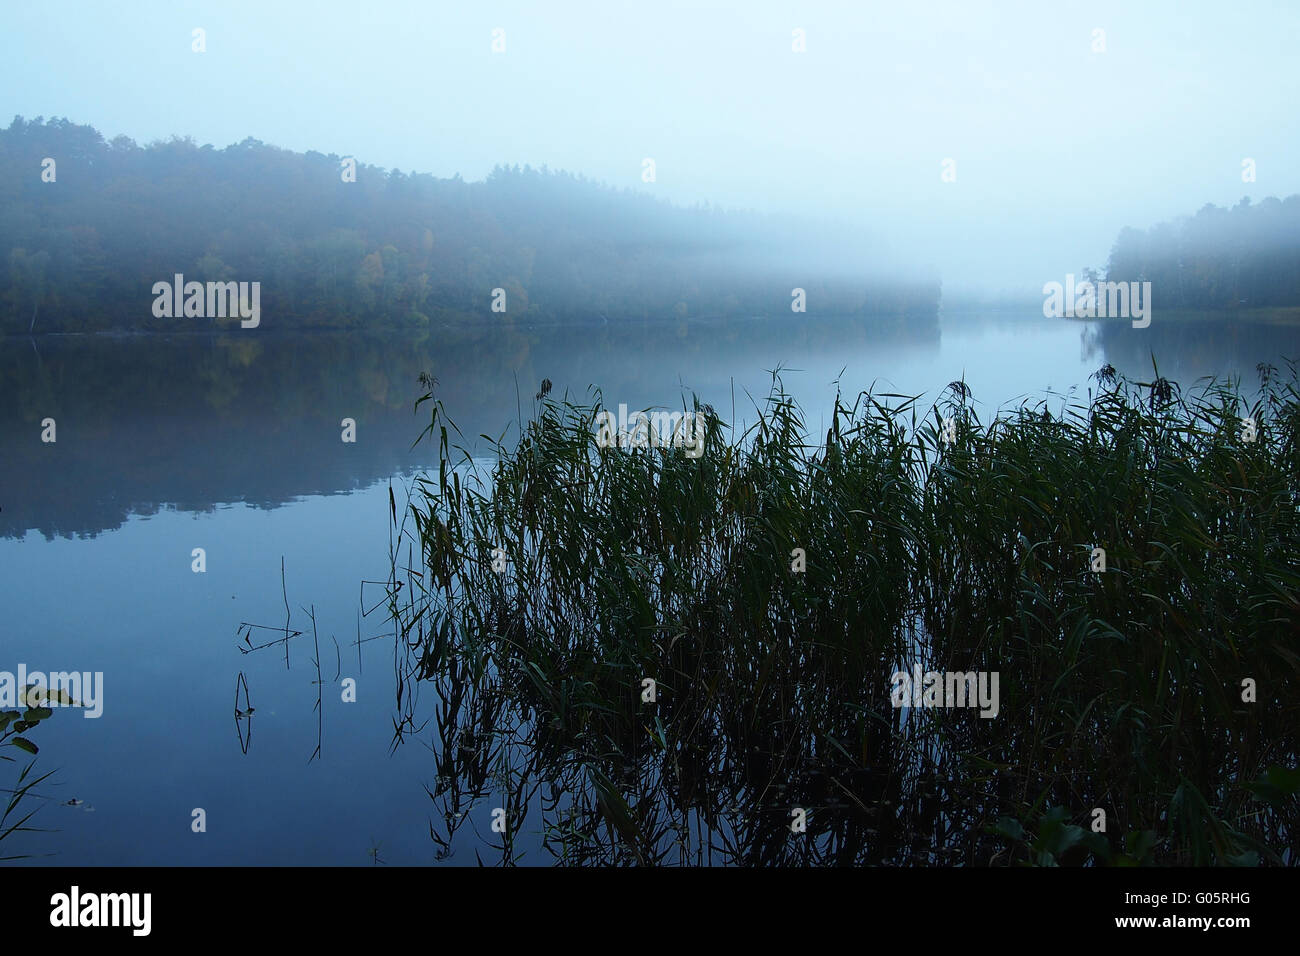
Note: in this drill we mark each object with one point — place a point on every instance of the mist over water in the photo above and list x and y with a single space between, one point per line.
505 208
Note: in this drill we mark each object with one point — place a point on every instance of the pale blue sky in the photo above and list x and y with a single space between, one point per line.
1056 147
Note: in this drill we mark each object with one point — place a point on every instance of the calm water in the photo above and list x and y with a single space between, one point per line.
233 445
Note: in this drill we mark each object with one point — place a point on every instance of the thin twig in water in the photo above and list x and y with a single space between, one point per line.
284 592
266 627
244 742
320 710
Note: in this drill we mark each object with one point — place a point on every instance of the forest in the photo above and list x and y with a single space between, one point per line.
1219 260
85 237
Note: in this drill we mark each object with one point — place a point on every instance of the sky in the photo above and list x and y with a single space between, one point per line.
1056 142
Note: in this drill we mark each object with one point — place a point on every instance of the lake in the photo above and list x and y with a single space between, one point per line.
232 444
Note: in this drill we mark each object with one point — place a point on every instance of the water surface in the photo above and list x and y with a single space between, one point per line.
232 444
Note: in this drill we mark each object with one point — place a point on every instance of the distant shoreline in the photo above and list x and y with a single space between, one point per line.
1271 315
478 324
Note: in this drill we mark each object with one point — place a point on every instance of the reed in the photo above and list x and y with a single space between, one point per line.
927 537
14 725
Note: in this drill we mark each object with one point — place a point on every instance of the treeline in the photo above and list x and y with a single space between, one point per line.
1246 257
83 251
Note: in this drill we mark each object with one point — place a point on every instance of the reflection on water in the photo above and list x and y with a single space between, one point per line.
1187 352
191 421
233 443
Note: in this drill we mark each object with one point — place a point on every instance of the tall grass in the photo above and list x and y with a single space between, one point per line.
13 725
1120 691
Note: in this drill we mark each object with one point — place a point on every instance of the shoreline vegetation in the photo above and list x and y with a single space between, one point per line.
669 658
468 323
1272 315
1219 259
332 244
336 243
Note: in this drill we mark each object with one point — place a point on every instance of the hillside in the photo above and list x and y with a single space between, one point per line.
390 249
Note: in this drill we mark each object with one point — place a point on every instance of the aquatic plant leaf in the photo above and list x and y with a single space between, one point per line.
1010 827
35 696
1277 787
613 806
